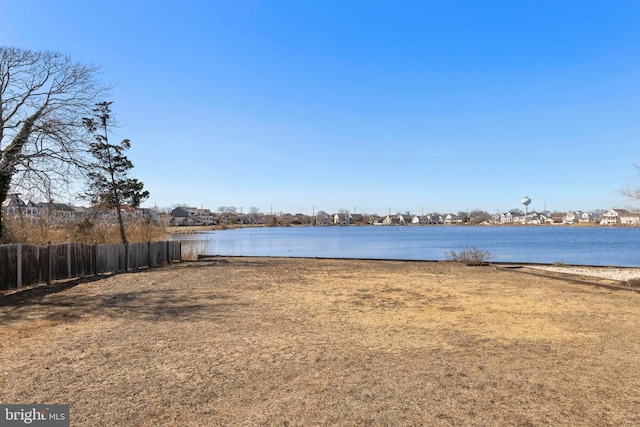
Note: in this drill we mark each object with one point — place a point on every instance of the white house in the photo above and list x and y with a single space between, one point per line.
584 218
342 219
630 218
15 207
450 218
611 217
572 217
395 219
621 217
536 218
506 218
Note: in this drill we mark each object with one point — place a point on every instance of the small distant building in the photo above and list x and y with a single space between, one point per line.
183 215
15 207
59 212
613 216
620 217
571 217
357 219
396 219
205 217
433 218
342 219
536 218
323 218
375 219
450 219
506 218
187 215
556 218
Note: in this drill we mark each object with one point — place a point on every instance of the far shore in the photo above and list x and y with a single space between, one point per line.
188 229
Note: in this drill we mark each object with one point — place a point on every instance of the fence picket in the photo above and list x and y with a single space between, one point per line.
19 266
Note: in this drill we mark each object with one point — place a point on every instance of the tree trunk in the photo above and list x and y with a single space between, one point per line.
123 235
5 184
10 156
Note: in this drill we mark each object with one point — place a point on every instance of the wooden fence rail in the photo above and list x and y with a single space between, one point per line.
23 265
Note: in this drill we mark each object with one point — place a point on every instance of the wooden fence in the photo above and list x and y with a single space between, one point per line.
23 265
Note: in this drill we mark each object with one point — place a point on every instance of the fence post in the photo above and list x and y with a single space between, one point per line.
69 260
180 251
168 255
19 264
149 254
126 257
94 255
50 262
39 264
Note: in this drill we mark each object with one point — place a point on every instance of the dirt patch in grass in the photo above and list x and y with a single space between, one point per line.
268 341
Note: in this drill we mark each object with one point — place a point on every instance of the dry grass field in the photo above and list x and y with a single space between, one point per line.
268 341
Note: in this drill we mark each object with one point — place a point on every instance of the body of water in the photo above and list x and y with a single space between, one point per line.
619 246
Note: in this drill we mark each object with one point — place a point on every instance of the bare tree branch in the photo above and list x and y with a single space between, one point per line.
43 98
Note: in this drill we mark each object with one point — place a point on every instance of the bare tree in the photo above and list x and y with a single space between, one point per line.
43 97
631 192
478 216
228 209
463 216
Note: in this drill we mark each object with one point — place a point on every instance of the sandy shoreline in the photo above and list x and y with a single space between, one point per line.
614 273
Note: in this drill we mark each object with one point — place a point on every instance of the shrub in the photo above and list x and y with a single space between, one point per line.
470 256
559 264
192 249
85 230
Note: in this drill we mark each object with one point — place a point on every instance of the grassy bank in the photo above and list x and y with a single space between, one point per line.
268 341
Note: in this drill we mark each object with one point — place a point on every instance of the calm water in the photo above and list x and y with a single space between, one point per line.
545 244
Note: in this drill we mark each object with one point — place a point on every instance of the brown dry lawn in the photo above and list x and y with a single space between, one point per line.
268 341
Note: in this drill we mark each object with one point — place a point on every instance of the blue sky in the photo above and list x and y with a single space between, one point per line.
374 106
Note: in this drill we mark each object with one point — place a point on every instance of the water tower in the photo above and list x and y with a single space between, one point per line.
526 201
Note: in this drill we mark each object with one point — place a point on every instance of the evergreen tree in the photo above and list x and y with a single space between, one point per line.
109 184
